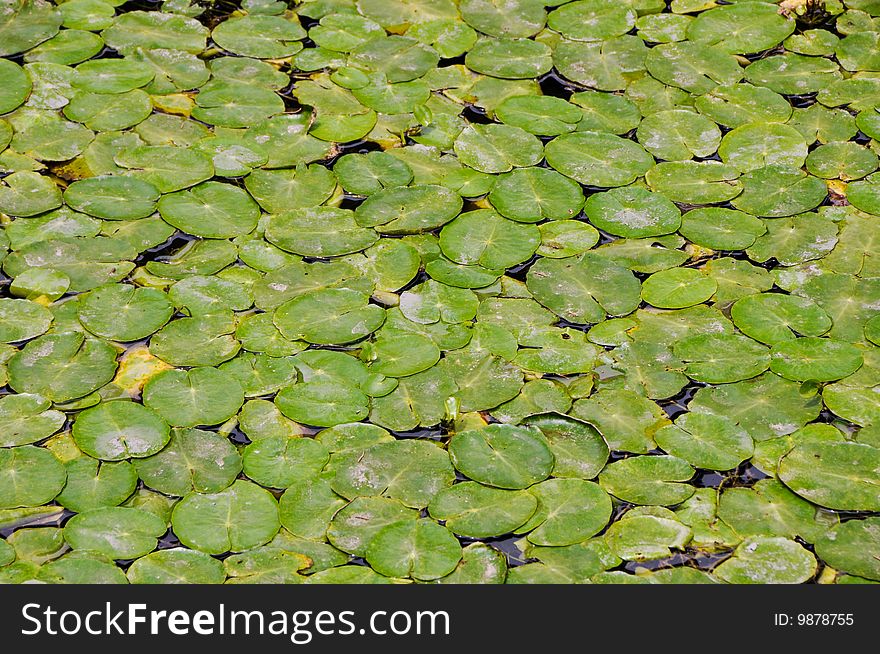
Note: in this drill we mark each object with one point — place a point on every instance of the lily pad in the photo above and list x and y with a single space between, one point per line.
236 519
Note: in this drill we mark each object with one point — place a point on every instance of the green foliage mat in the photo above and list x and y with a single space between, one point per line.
439 291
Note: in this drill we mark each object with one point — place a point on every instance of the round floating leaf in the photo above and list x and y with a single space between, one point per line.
323 403
645 536
722 358
773 317
118 430
677 288
122 312
585 289
193 460
236 519
632 212
330 316
409 210
166 167
677 135
484 238
475 511
319 232
410 471
26 418
62 366
626 420
740 104
27 193
279 461
721 229
852 547
403 355
198 396
767 561
529 195
502 455
262 37
815 359
419 549
115 532
592 20
93 484
308 505
22 320
754 146
765 406
792 74
566 238
497 148
112 198
706 441
652 480
176 566
509 58
598 159
366 174
16 85
835 475
569 511
210 210
695 182
541 115
741 29
692 66
578 448
29 476
354 527
479 564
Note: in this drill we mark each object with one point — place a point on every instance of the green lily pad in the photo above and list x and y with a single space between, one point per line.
193 460
642 536
834 475
677 288
472 510
329 316
509 58
569 511
585 289
773 318
241 517
692 66
279 461
118 430
502 455
176 566
115 532
419 549
261 37
355 526
632 212
852 547
578 449
650 480
27 418
815 359
767 561
29 476
706 441
22 320
678 135
122 312
93 484
695 182
210 210
598 159
319 232
410 471
721 229
722 358
198 396
62 366
323 403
